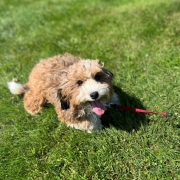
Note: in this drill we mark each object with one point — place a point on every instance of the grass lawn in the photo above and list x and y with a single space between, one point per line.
139 41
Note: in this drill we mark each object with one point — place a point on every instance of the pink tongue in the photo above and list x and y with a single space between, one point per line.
97 107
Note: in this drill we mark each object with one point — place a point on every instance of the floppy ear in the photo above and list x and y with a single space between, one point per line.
64 102
108 73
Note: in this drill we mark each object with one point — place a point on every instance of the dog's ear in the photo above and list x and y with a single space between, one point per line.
64 102
108 73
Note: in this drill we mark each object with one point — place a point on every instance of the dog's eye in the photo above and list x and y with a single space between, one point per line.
79 82
97 77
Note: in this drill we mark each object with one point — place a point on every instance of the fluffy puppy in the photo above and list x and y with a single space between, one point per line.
77 88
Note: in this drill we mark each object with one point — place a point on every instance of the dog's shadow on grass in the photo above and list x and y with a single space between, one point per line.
125 120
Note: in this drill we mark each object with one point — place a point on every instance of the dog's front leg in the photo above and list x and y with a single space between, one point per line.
90 124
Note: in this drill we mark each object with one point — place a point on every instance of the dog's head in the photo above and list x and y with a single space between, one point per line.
86 86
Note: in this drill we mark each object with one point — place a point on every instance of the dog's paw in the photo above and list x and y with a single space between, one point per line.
115 99
81 113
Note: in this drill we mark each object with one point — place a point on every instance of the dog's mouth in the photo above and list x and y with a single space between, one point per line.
97 107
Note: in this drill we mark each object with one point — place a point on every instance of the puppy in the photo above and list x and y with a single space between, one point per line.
77 88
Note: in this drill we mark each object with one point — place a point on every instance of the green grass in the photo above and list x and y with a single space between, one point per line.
140 42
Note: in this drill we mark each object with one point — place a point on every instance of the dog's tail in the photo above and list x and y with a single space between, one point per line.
16 88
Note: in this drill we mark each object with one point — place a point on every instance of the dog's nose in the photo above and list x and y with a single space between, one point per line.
94 95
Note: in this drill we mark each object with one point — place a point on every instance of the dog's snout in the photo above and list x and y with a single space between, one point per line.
94 95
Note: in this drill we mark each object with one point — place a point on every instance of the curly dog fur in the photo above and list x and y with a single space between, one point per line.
77 88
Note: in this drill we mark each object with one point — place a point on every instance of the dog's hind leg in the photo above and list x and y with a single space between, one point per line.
33 101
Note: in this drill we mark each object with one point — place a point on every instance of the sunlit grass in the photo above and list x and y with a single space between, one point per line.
139 42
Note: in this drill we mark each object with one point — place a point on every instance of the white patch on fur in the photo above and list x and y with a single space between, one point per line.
15 88
91 86
87 63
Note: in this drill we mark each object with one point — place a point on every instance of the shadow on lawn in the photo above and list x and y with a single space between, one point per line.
125 120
